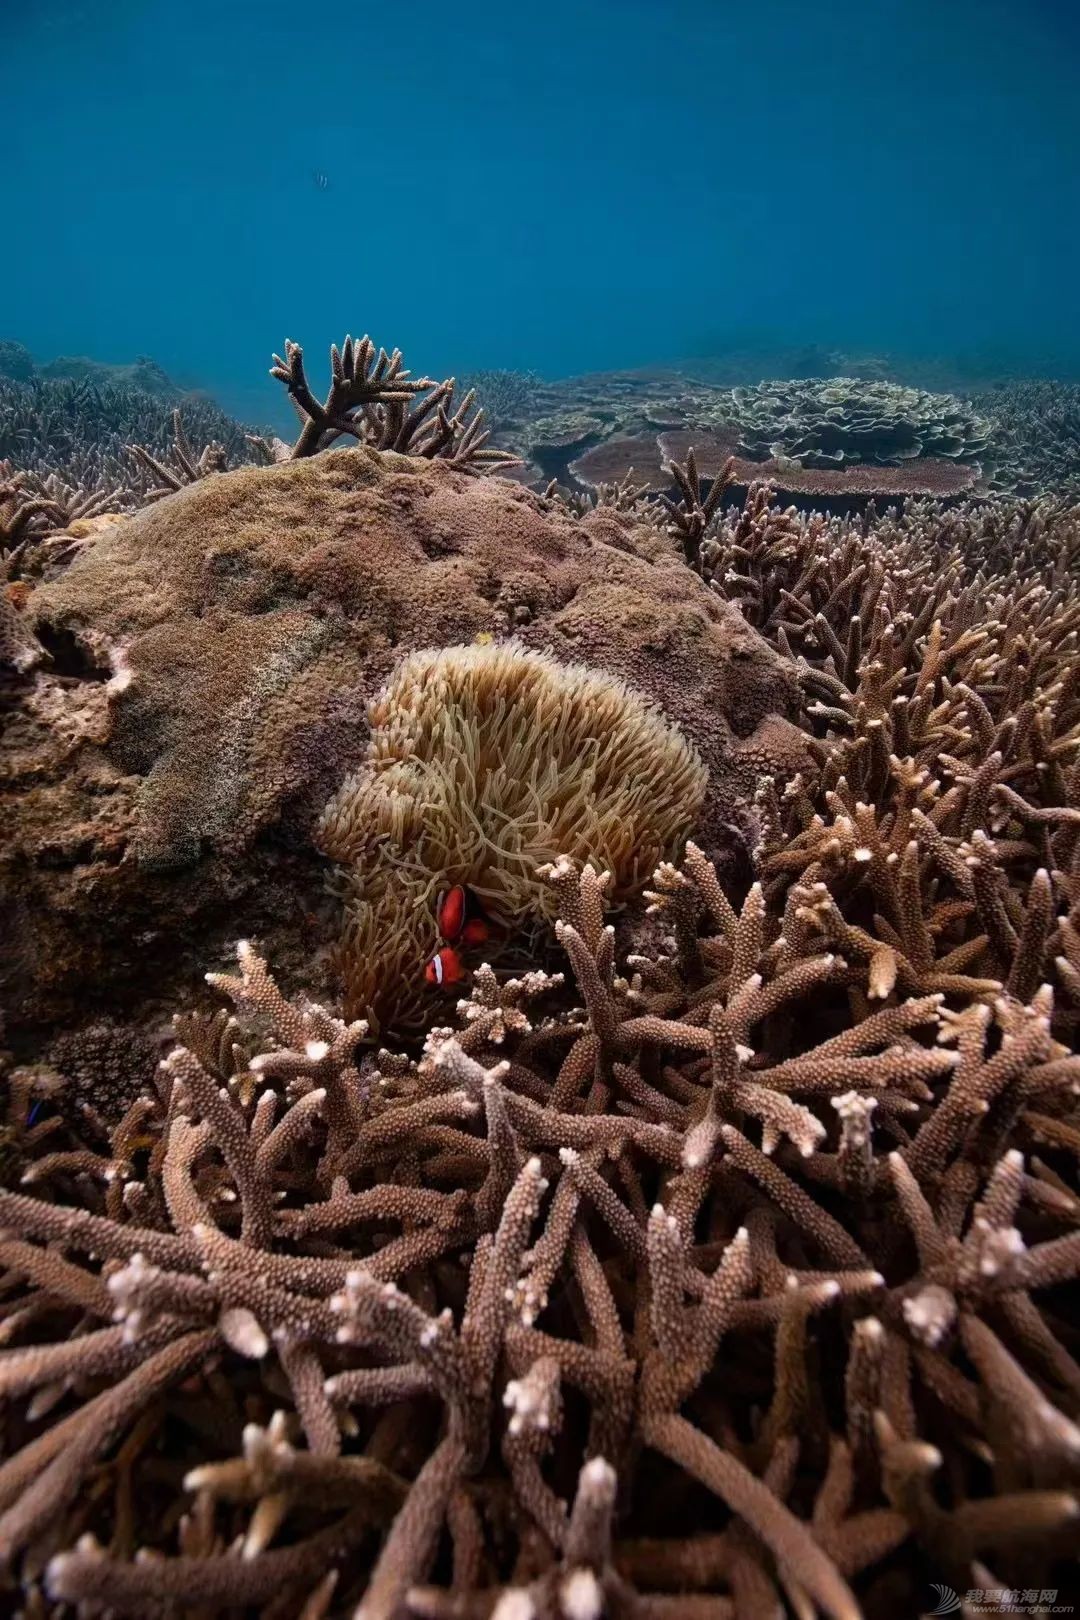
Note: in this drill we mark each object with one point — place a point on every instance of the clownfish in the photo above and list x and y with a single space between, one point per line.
462 922
461 918
445 967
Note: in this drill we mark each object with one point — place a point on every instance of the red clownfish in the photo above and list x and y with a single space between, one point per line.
445 968
462 921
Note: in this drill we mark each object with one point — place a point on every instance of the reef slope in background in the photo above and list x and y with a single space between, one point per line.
212 659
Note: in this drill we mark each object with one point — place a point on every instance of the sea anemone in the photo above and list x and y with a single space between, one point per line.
484 763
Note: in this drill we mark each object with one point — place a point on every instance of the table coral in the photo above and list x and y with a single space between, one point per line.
827 422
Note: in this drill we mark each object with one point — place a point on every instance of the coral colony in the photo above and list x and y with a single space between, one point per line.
708 1252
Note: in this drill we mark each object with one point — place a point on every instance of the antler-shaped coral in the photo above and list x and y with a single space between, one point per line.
555 1245
370 399
693 513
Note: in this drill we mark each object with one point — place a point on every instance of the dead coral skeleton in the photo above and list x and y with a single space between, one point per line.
482 1333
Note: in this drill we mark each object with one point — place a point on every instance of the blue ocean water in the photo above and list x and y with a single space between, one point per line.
579 185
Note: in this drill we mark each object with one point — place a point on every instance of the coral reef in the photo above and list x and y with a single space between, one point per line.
841 438
706 1261
592 430
829 422
485 764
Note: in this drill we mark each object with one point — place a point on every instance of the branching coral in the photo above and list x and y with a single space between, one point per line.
1036 438
182 466
373 399
486 1333
485 762
77 433
937 834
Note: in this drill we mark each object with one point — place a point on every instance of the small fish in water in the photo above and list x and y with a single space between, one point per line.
445 968
462 921
461 917
322 181
34 1112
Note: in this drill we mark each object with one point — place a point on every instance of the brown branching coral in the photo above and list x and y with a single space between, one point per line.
937 834
372 398
485 1334
485 762
182 466
693 512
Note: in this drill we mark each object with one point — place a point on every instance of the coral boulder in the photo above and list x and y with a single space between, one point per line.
212 661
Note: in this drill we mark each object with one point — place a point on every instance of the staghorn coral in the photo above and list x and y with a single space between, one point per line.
373 399
559 1320
182 466
937 832
78 431
483 764
826 423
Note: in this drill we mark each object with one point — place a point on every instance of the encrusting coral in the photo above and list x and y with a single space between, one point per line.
487 1332
485 763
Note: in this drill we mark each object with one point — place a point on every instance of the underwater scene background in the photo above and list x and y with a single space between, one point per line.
587 187
540 867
